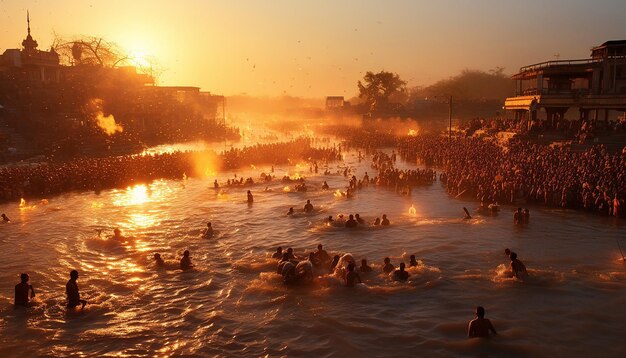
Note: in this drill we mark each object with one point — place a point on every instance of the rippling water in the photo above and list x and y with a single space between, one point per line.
232 303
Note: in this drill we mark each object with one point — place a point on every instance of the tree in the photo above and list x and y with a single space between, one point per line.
90 50
377 89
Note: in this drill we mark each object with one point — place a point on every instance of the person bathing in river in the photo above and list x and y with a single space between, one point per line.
412 261
518 270
526 216
250 197
278 254
385 221
5 218
208 232
518 217
359 219
364 268
158 261
290 212
117 235
388 267
400 274
185 261
291 255
377 222
352 276
321 256
308 207
21 291
351 222
325 186
71 290
480 326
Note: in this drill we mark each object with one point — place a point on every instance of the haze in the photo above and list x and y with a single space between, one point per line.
321 48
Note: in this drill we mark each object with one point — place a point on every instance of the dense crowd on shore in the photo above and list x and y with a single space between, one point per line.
99 173
592 180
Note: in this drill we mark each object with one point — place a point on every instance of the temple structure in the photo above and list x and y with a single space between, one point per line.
29 63
594 86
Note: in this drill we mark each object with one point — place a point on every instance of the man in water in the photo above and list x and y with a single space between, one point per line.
71 289
321 256
5 218
400 274
291 255
352 277
117 235
21 291
364 268
518 217
325 185
351 222
250 197
330 219
278 254
208 232
385 221
289 272
480 326
359 219
412 261
185 262
308 207
526 216
290 212
388 267
517 267
377 222
216 185
158 261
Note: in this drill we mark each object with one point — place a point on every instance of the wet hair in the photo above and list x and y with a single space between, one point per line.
513 255
480 311
24 277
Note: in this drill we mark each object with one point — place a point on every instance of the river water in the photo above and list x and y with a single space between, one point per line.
232 303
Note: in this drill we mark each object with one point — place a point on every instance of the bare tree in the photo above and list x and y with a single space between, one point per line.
90 50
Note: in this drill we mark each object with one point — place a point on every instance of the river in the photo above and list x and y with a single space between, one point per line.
232 303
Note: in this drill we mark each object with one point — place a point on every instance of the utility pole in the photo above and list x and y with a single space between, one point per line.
450 118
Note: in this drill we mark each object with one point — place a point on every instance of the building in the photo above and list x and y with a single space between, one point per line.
334 102
29 63
595 87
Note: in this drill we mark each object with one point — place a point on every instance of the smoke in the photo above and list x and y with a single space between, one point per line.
106 123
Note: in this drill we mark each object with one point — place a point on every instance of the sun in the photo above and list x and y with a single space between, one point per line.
139 58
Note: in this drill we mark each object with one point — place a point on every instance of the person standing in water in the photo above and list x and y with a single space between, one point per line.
388 267
308 207
518 270
385 221
352 276
208 232
400 274
185 262
250 197
412 261
158 261
364 268
480 326
351 222
5 218
71 290
278 254
21 291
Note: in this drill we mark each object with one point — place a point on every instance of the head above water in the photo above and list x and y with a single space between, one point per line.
412 257
117 232
402 266
363 262
157 256
290 250
351 266
285 257
384 216
74 274
208 224
279 249
357 216
308 201
507 252
480 312
24 277
186 253
320 246
513 256
387 260
351 217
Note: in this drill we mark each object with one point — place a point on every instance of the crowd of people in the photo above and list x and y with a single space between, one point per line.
592 180
52 178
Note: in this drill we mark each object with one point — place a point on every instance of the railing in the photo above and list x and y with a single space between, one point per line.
588 61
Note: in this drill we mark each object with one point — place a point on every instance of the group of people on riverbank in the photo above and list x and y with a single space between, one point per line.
43 179
592 180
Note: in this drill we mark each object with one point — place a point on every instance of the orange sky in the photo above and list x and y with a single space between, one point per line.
319 48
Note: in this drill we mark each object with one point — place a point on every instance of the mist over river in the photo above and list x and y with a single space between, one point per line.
232 302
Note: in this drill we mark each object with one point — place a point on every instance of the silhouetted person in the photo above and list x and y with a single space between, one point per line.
377 222
351 222
401 274
21 291
250 197
321 256
278 254
351 276
290 254
325 185
358 219
518 217
5 218
480 326
334 263
412 261
385 221
364 268
388 267
208 232
185 262
308 207
158 260
71 290
290 212
518 269
117 235
216 185
526 216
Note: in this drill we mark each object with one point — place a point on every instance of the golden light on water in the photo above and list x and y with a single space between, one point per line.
136 195
286 189
22 203
412 210
205 164
338 193
412 133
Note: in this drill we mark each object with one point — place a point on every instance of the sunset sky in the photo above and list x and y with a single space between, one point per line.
318 48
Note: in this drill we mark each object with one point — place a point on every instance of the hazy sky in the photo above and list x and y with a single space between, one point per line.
318 47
